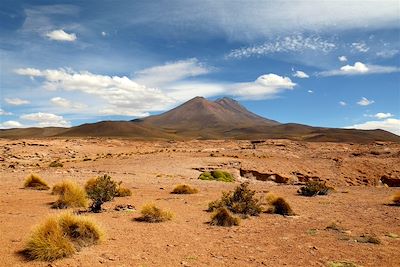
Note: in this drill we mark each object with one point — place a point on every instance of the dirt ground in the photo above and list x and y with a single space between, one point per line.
152 169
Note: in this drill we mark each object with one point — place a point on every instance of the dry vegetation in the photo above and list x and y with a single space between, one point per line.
278 205
396 199
100 190
223 217
314 188
184 189
61 236
71 195
34 181
152 214
123 191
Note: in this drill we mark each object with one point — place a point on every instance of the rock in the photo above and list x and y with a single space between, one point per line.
390 181
252 174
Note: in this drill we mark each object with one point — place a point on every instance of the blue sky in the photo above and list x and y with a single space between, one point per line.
322 63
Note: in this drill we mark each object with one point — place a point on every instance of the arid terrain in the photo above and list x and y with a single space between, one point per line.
151 169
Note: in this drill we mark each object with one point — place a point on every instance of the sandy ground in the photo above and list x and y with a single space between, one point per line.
152 169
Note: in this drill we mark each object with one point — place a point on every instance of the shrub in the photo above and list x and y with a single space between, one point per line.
56 164
242 200
123 191
100 190
152 214
278 205
71 195
61 236
341 264
313 188
396 199
217 175
34 181
184 189
223 217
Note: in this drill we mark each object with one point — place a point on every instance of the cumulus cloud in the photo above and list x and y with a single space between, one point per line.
4 113
42 119
171 72
61 35
360 68
365 101
300 74
65 103
342 103
10 124
16 101
296 43
390 125
381 115
342 59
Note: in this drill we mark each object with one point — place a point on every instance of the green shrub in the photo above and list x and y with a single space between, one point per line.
242 200
223 217
34 181
152 214
56 164
278 205
184 189
100 190
61 236
313 188
217 175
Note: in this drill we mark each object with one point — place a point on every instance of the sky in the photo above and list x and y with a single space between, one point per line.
321 63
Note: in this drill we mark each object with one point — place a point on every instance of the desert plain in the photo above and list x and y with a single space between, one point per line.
359 206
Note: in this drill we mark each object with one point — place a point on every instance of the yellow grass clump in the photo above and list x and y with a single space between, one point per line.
61 236
152 214
34 181
222 217
71 195
184 189
278 205
123 191
396 198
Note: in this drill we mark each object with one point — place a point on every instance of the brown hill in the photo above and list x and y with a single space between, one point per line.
202 119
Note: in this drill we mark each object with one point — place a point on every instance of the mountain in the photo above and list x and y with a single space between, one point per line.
200 118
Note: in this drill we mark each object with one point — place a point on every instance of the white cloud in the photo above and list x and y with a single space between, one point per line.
365 102
360 47
4 113
342 103
65 103
171 72
28 72
342 58
387 53
16 101
61 35
300 74
310 91
381 115
295 43
103 33
390 125
46 119
265 86
10 124
360 68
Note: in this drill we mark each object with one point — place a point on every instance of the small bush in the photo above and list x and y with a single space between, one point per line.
71 195
100 190
34 181
184 189
217 175
396 199
61 236
242 200
56 164
313 188
123 191
368 239
278 205
152 214
341 264
223 217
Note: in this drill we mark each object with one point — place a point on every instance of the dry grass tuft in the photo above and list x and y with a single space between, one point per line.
223 217
61 236
34 181
278 205
314 188
396 199
71 195
242 200
55 164
123 191
152 214
184 189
